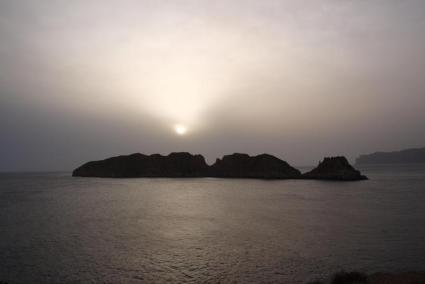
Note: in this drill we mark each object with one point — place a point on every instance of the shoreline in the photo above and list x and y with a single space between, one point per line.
355 277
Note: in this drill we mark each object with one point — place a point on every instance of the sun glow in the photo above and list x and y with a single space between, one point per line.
180 129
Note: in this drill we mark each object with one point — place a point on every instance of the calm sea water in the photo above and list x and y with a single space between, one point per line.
59 229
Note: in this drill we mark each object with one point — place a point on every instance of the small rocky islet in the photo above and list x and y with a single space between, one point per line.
334 168
237 165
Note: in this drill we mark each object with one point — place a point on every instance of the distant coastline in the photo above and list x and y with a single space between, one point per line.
408 156
237 165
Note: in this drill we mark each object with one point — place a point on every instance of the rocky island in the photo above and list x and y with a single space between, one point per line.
335 168
180 165
140 165
263 166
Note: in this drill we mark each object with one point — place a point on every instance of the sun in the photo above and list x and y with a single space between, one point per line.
180 129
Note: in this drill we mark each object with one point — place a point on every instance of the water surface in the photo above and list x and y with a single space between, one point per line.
59 229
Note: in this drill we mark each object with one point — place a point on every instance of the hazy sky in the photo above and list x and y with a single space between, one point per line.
84 80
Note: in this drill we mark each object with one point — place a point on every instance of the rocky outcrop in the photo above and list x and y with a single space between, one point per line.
139 165
187 165
237 165
334 168
408 156
343 277
244 166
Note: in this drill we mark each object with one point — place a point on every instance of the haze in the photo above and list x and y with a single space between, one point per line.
85 80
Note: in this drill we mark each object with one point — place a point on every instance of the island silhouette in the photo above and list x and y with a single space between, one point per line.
408 156
237 165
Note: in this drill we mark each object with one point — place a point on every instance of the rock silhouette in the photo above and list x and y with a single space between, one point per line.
139 165
237 165
334 168
244 166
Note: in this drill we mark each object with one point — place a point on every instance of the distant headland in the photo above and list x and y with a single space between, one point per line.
407 156
237 165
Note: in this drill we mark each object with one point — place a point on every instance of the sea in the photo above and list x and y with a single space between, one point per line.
55 228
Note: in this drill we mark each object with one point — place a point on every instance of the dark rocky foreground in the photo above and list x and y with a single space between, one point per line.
334 168
237 165
376 278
